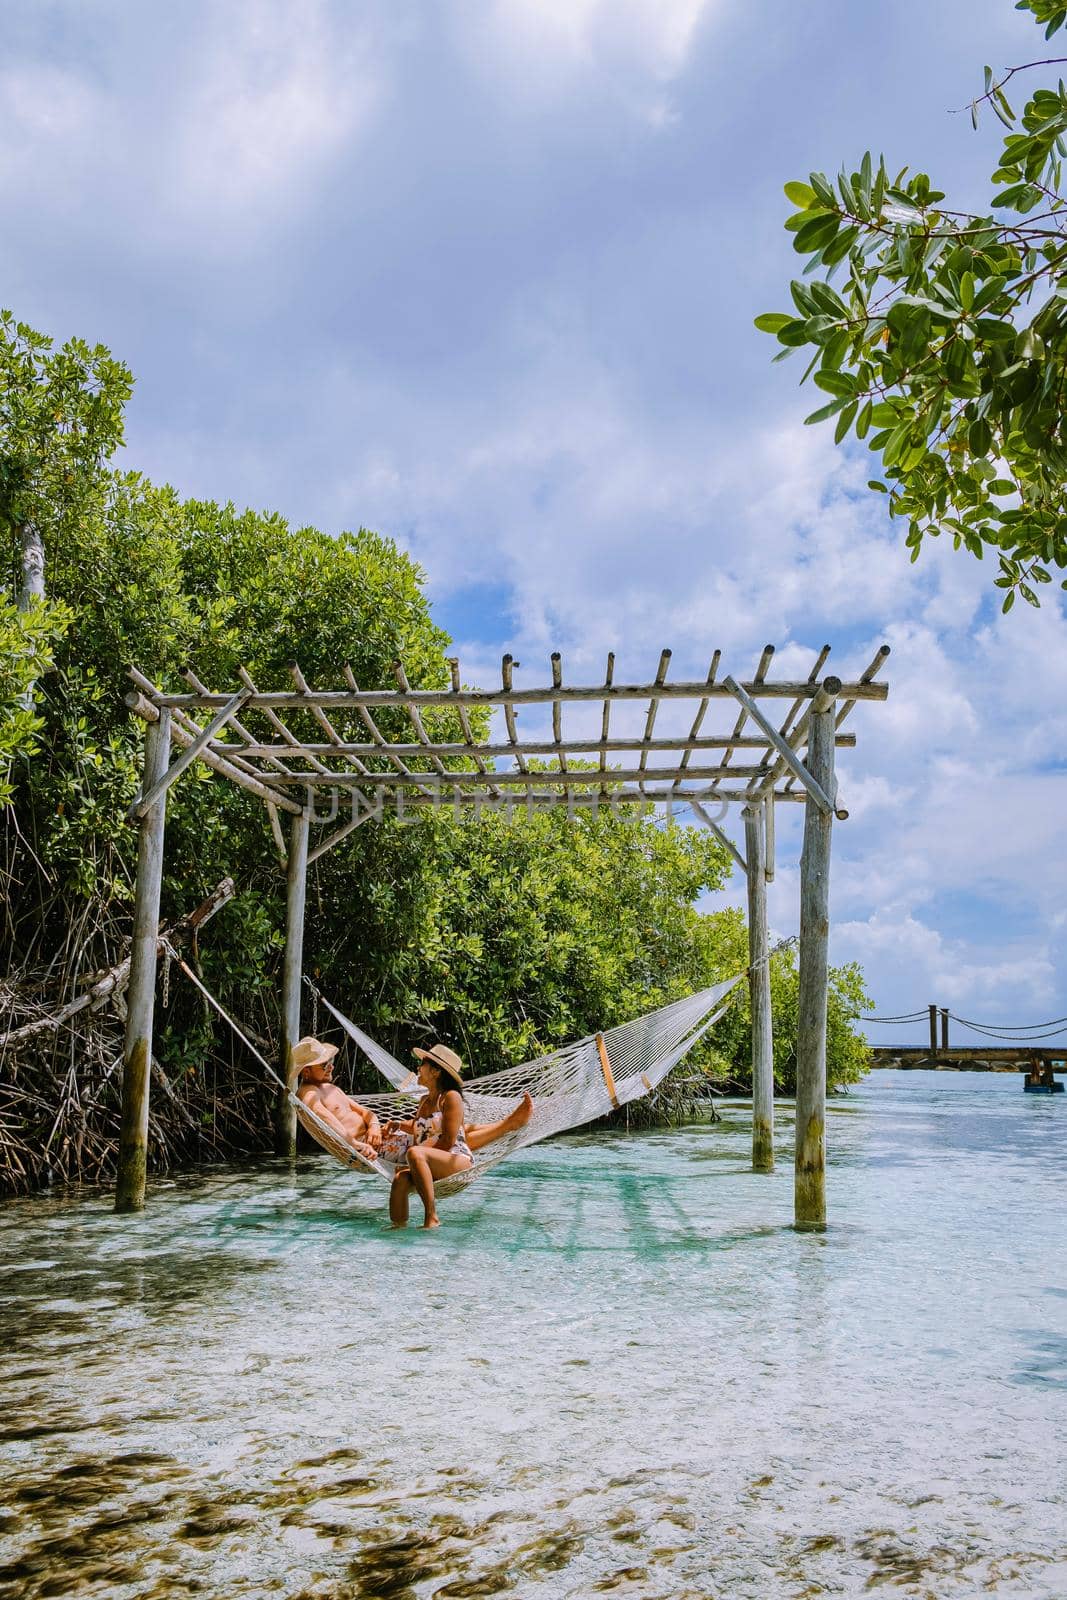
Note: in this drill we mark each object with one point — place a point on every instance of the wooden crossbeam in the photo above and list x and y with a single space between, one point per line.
761 672
694 742
795 736
557 712
344 699
471 749
653 706
718 833
432 781
415 715
278 725
605 719
139 703
320 716
682 745
391 752
507 667
785 750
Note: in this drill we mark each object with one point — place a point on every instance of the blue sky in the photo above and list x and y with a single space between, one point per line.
481 274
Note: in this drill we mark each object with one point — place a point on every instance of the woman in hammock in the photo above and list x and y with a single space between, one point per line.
435 1141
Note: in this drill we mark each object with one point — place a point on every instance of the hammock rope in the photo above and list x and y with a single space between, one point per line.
576 1084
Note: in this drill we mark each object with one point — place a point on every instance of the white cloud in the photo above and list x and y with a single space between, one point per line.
542 51
279 89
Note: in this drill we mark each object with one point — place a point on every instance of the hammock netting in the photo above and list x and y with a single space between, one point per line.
571 1086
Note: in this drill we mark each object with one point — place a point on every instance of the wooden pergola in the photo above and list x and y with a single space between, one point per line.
704 744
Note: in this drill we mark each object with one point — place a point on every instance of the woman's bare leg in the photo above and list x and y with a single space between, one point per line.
426 1165
481 1134
399 1195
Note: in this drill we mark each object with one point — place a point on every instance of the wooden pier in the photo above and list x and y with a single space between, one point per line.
1016 1058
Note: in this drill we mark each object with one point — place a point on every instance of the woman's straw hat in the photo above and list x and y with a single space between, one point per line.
313 1053
443 1057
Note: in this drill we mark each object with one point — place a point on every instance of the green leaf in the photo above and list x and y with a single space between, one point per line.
845 421
816 233
801 194
826 411
773 321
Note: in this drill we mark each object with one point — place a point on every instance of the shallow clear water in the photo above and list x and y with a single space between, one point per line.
614 1369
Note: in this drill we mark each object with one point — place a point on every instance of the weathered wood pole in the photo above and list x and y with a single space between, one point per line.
944 1027
933 1030
292 975
809 1193
759 989
141 992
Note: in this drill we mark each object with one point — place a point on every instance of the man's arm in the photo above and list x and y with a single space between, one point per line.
371 1125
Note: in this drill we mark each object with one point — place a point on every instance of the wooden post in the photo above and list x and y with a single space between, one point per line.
292 975
933 1030
944 1027
759 988
141 993
809 1194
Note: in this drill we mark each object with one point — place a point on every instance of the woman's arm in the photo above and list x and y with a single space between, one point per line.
451 1119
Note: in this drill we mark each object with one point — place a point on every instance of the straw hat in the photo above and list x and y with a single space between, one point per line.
312 1053
443 1057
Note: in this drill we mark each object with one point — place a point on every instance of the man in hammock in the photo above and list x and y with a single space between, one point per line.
355 1123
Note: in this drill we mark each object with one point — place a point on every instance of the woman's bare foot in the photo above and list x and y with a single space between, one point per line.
520 1116
432 1222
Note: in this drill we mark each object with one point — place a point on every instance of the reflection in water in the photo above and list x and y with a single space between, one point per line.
615 1370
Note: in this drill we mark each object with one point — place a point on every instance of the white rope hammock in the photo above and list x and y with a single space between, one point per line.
571 1086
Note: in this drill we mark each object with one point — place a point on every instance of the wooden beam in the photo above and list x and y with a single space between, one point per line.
141 991
784 749
148 711
472 749
761 672
292 974
344 699
557 713
605 716
507 666
759 989
653 708
809 1195
694 742
193 749
768 837
605 1067
340 833
713 828
444 780
684 745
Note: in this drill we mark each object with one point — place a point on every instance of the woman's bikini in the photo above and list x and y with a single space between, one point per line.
426 1127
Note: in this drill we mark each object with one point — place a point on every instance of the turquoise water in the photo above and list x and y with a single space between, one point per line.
615 1369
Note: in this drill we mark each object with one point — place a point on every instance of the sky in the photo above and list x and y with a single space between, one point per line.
481 275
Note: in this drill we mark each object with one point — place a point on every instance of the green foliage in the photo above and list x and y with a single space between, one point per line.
60 419
506 937
847 1052
945 346
27 641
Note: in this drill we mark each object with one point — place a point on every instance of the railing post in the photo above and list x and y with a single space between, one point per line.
759 988
809 1194
933 1030
292 975
141 992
